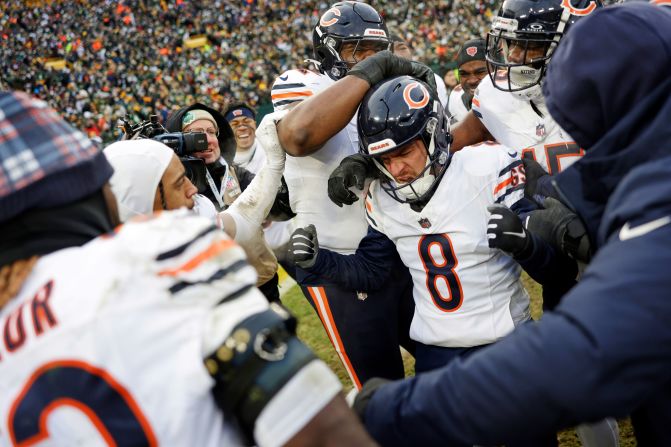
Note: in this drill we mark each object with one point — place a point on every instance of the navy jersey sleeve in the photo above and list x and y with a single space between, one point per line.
366 270
603 352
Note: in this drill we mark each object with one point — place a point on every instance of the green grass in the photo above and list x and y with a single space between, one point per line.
311 331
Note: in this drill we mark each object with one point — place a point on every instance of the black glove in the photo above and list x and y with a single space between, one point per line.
537 179
352 171
506 232
363 397
562 228
303 247
385 64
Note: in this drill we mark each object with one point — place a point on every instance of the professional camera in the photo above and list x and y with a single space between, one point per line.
183 144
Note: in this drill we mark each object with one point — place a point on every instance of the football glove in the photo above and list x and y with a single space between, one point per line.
537 185
506 232
385 64
562 228
304 247
352 171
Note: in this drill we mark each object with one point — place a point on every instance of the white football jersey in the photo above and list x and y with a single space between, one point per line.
514 123
466 294
339 229
105 343
456 107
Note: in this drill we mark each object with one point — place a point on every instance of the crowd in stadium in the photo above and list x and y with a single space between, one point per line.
140 301
129 58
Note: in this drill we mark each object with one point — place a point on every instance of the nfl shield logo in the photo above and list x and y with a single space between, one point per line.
540 130
424 223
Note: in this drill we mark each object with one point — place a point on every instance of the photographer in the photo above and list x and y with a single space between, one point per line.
220 152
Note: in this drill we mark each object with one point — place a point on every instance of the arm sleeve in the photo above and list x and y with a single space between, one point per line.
366 270
604 352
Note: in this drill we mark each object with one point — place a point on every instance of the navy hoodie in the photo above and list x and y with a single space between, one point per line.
606 349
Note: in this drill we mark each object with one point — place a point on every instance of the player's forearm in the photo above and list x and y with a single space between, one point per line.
314 121
468 132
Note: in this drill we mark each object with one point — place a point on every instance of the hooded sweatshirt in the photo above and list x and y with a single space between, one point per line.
606 349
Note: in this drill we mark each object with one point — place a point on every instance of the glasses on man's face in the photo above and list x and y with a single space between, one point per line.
212 132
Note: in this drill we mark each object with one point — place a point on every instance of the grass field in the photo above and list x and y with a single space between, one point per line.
312 333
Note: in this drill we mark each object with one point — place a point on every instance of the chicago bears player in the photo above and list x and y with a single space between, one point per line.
431 208
149 335
508 105
362 323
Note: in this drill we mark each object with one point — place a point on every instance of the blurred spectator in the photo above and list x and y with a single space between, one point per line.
133 57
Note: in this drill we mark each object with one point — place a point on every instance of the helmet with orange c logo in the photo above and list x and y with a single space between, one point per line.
524 35
343 23
393 114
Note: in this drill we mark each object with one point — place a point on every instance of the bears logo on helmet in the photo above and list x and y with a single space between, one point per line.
324 22
407 96
566 4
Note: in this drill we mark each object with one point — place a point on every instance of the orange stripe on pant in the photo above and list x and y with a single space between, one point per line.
321 303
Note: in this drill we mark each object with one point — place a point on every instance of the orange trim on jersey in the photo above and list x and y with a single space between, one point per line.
290 95
210 252
502 185
475 102
123 392
660 2
332 330
369 206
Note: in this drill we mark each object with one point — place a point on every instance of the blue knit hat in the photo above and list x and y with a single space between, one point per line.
44 162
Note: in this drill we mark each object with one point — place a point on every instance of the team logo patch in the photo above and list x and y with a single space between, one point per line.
324 21
237 112
472 51
424 223
566 4
540 130
407 96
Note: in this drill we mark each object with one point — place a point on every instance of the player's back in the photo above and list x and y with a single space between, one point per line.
466 294
514 123
105 342
340 228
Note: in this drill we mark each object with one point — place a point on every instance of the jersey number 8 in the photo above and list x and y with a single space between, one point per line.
441 270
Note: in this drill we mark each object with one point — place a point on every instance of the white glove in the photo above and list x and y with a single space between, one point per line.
251 208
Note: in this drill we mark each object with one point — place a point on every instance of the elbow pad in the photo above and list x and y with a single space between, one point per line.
253 364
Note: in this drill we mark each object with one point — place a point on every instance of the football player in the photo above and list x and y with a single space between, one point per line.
362 323
151 334
508 104
431 208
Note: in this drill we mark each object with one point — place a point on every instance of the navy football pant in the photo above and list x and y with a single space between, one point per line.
366 330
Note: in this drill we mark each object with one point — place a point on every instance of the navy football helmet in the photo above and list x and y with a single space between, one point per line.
395 113
346 22
523 36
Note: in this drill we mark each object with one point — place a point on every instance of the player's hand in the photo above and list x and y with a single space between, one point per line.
506 232
304 247
365 394
536 177
385 64
267 136
562 228
352 171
